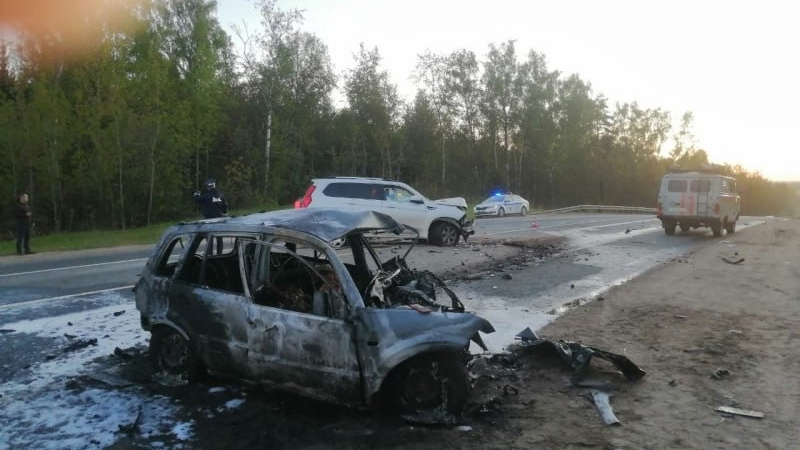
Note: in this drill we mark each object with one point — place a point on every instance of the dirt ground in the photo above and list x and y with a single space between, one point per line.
708 333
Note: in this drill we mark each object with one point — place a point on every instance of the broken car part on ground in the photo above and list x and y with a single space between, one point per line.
278 304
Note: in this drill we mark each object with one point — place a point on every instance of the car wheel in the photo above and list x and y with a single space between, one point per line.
444 234
716 228
669 227
501 212
730 227
429 382
172 353
523 211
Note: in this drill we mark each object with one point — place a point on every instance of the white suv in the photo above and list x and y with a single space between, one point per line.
440 222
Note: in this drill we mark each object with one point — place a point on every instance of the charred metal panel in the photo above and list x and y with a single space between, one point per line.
310 354
387 337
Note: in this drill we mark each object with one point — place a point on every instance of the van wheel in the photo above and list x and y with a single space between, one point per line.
428 382
730 227
716 228
171 353
444 234
669 228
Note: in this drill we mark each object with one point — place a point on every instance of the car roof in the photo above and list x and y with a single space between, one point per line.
325 223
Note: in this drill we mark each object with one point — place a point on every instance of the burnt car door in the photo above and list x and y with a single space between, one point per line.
206 299
297 334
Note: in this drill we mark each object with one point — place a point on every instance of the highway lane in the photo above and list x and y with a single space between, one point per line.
58 275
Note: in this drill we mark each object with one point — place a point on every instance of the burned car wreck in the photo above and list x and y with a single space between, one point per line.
300 300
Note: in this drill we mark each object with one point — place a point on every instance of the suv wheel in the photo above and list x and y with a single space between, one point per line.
428 382
171 353
444 234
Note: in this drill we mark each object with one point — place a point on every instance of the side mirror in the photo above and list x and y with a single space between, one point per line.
416 199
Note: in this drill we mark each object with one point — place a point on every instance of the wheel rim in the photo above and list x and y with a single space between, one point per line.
174 352
422 386
449 235
501 212
524 211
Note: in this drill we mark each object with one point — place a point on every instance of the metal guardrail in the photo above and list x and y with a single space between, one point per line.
601 208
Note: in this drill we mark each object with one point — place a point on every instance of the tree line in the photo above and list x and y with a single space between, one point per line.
118 132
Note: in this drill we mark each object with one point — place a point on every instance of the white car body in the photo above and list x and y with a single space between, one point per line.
698 199
441 222
501 204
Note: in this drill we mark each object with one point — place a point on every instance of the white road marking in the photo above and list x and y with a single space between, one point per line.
6 275
63 297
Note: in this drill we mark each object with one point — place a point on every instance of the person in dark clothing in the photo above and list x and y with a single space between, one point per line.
211 201
212 204
23 215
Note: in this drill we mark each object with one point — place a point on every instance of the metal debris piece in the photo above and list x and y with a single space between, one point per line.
731 261
720 373
605 385
507 276
119 313
681 316
741 412
79 344
601 400
579 356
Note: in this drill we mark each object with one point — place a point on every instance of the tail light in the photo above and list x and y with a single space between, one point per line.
306 200
716 208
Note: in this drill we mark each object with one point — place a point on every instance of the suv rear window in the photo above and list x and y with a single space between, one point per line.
676 186
354 190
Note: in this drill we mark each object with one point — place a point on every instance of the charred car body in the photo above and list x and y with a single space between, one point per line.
278 304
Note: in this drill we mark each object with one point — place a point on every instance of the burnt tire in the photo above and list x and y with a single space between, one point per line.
444 234
501 212
523 211
170 352
429 382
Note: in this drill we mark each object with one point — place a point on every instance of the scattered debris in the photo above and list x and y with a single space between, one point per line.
681 316
464 428
7 330
695 350
119 313
507 276
131 428
604 385
601 400
474 276
69 336
731 261
732 331
720 373
741 412
122 353
79 344
436 416
579 356
627 230
572 286
673 383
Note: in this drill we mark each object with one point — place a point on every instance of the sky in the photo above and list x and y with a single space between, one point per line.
733 64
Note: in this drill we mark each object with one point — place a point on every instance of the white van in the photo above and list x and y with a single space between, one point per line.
698 199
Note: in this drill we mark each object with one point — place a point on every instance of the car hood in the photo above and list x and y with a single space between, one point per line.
452 201
487 204
326 224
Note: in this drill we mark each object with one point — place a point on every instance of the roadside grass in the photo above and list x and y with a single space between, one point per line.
83 240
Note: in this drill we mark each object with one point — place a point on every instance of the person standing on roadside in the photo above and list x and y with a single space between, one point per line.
23 215
212 204
211 201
